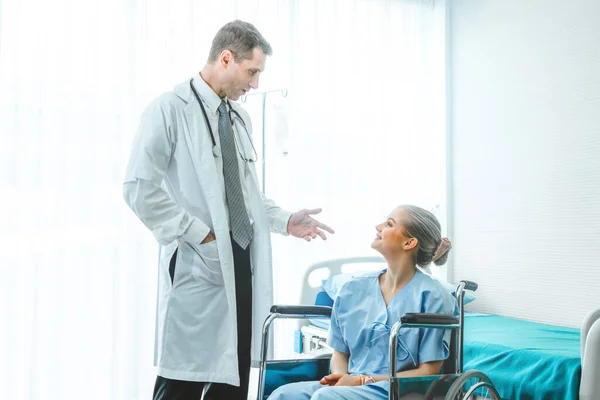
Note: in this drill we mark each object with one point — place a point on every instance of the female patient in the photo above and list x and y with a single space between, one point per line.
366 308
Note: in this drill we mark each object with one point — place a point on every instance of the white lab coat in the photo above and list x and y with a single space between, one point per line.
196 330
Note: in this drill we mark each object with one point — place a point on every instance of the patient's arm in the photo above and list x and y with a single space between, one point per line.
343 379
339 362
428 368
425 369
338 367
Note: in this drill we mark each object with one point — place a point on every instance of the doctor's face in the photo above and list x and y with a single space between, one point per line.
390 237
240 77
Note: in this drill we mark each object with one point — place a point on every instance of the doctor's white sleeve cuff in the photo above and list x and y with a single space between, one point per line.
161 214
196 232
278 221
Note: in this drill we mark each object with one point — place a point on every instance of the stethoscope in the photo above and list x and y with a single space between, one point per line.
216 149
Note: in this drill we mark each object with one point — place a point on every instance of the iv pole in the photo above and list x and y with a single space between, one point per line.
263 96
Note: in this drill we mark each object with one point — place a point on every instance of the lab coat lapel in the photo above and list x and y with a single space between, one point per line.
198 142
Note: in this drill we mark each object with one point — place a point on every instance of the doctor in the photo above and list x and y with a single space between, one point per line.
191 180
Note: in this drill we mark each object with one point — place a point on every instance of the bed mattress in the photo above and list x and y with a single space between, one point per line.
525 360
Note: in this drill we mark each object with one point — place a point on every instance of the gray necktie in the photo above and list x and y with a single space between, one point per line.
238 216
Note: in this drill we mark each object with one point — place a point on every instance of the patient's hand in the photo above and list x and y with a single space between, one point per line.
349 380
331 379
341 380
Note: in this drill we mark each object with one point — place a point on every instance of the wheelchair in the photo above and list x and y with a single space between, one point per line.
452 384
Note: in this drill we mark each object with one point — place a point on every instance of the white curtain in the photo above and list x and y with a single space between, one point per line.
362 126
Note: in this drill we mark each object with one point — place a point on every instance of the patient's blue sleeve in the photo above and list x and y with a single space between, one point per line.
335 338
429 342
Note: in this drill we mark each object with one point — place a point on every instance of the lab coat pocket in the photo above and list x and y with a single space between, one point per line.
168 258
208 267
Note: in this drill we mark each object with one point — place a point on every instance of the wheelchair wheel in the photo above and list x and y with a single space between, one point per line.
471 385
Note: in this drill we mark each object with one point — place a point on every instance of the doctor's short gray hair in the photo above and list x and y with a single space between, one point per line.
425 227
240 38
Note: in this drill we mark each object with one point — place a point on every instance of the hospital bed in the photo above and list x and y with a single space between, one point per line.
452 384
524 359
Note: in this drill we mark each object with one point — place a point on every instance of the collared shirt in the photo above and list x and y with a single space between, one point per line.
211 102
361 324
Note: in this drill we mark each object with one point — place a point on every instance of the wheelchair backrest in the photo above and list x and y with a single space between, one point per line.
316 273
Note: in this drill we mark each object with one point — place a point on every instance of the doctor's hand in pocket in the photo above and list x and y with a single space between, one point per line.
302 225
209 238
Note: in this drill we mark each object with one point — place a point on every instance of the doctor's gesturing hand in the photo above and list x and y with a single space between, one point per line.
303 226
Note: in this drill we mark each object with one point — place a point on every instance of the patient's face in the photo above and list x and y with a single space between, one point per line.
389 236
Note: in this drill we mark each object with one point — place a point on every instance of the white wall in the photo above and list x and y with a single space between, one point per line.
356 116
525 155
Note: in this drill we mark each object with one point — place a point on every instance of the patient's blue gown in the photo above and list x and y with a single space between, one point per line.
360 326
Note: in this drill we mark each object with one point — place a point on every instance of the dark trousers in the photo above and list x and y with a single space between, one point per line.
171 389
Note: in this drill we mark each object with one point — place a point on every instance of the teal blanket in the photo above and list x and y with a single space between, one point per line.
525 360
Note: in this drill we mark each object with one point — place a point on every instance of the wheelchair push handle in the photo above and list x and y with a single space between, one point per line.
467 285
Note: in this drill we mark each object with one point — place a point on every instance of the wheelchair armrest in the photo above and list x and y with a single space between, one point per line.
429 319
301 310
